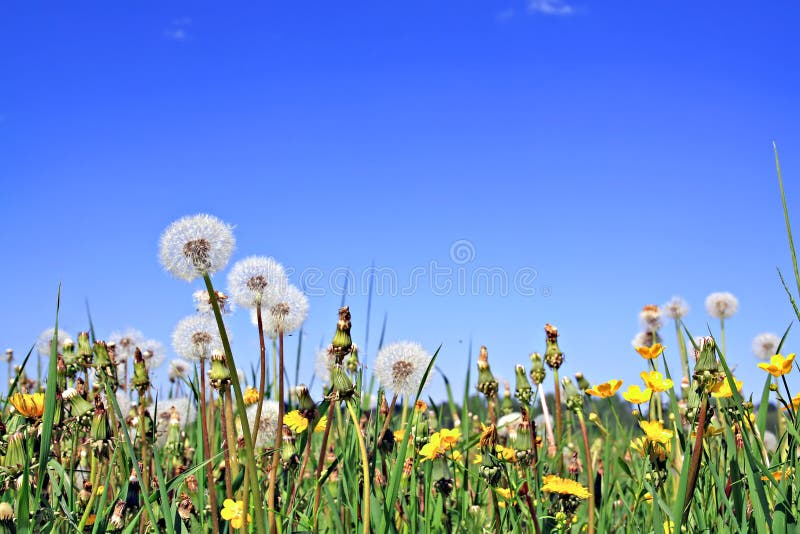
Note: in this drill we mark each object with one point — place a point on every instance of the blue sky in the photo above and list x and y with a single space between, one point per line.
617 152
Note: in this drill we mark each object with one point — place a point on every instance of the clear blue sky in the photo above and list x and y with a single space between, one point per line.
622 150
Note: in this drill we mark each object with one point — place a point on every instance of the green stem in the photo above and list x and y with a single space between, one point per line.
240 406
276 455
589 477
364 466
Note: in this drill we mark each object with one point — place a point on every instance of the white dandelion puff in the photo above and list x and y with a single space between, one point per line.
125 344
645 339
256 281
153 352
182 408
196 337
178 369
268 424
323 363
45 340
202 302
676 308
401 366
650 318
722 305
288 311
196 245
765 346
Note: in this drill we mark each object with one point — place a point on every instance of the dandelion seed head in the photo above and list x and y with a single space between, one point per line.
182 408
650 317
765 346
125 343
178 369
256 281
196 337
195 245
676 308
722 305
323 363
401 366
268 424
289 311
153 353
202 302
45 340
645 339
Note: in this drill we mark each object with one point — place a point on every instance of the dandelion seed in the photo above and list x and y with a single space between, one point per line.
267 426
322 364
401 366
676 308
196 337
722 305
765 346
196 245
178 369
125 343
256 281
202 302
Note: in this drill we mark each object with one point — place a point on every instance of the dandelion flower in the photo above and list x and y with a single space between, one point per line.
564 486
233 511
268 425
650 318
765 346
251 396
296 421
650 353
606 389
656 381
45 340
401 366
778 365
196 245
29 405
721 305
676 308
287 312
255 281
637 395
321 424
196 337
178 369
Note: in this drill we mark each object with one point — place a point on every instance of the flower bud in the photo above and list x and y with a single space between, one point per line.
538 372
553 355
523 390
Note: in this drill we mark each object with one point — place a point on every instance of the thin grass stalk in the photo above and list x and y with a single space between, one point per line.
240 406
365 514
301 474
321 463
276 456
589 476
226 445
559 422
548 425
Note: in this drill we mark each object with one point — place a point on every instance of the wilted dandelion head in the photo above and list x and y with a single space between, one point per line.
195 245
202 302
288 311
125 343
45 340
196 337
182 409
676 308
722 305
650 317
267 426
256 280
323 363
400 367
178 369
765 346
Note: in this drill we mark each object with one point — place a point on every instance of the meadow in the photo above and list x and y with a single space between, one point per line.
91 448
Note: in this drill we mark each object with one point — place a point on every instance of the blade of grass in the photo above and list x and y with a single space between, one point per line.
49 408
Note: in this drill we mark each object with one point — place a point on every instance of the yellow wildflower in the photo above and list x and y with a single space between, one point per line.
478 459
711 430
637 395
449 437
457 456
31 406
503 492
656 381
399 434
606 389
655 431
779 474
778 365
321 424
433 449
795 403
507 454
233 511
251 396
564 486
722 390
296 421
650 353
420 406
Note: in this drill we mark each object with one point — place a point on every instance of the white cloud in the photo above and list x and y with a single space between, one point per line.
178 29
551 7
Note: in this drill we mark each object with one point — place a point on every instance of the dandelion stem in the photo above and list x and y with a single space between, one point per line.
559 423
364 466
388 417
263 372
694 467
212 491
226 446
548 425
237 390
273 474
322 453
589 477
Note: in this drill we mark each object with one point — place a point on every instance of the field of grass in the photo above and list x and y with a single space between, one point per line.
92 449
